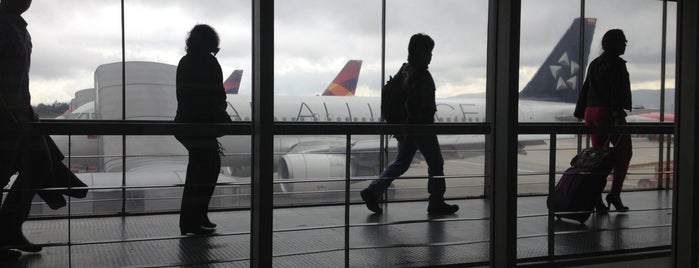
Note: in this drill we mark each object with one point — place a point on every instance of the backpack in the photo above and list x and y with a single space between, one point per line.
393 97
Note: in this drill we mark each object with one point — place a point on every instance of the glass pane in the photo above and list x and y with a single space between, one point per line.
459 30
647 95
550 75
156 166
67 50
327 69
550 71
643 31
327 61
156 32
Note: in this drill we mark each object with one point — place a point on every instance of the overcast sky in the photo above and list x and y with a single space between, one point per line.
315 38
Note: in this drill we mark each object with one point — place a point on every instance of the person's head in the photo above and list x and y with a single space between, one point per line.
420 49
202 38
614 42
15 6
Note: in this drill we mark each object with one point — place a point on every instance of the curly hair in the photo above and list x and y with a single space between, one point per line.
202 38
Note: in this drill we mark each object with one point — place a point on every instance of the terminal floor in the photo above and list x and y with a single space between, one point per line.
403 236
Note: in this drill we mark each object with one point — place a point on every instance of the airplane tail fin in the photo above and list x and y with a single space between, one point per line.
557 78
232 83
345 83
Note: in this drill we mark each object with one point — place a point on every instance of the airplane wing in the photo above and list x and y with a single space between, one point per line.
326 159
635 115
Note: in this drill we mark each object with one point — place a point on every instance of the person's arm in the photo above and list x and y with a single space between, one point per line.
216 94
5 113
426 98
619 80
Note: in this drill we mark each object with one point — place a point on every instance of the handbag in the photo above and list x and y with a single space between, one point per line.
595 158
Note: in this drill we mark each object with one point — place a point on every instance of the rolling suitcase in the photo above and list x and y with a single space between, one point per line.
582 184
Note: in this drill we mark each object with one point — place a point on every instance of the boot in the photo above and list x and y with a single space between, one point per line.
437 206
371 199
614 199
600 208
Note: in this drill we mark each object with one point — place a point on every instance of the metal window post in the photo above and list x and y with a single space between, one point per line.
262 133
685 211
501 112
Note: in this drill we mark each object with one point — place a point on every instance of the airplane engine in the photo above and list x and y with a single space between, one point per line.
309 167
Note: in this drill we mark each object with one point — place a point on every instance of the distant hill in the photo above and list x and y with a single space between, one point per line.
650 98
50 111
480 95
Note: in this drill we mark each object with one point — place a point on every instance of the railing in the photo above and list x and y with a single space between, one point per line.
136 128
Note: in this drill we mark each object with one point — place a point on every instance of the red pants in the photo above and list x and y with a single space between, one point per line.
602 116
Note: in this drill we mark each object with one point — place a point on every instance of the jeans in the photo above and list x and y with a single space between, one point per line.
407 147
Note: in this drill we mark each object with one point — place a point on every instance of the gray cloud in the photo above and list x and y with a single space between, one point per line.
315 37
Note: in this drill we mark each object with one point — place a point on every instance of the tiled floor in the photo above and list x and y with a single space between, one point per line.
404 236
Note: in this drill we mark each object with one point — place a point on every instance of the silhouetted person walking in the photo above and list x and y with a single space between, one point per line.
29 155
608 95
420 109
200 99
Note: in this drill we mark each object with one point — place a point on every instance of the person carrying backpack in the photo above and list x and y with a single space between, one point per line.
419 108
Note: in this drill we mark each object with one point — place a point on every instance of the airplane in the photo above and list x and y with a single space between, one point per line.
550 96
85 149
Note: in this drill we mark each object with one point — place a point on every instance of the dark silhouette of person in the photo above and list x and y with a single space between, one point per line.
420 109
29 155
605 96
200 99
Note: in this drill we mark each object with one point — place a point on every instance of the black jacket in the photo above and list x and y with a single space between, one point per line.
420 102
607 85
200 94
15 54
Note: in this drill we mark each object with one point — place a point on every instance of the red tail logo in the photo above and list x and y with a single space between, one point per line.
232 83
345 83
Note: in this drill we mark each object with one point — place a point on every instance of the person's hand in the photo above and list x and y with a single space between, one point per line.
619 119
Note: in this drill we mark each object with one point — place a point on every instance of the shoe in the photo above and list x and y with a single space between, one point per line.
207 223
442 209
9 255
600 208
19 242
371 200
614 199
196 230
